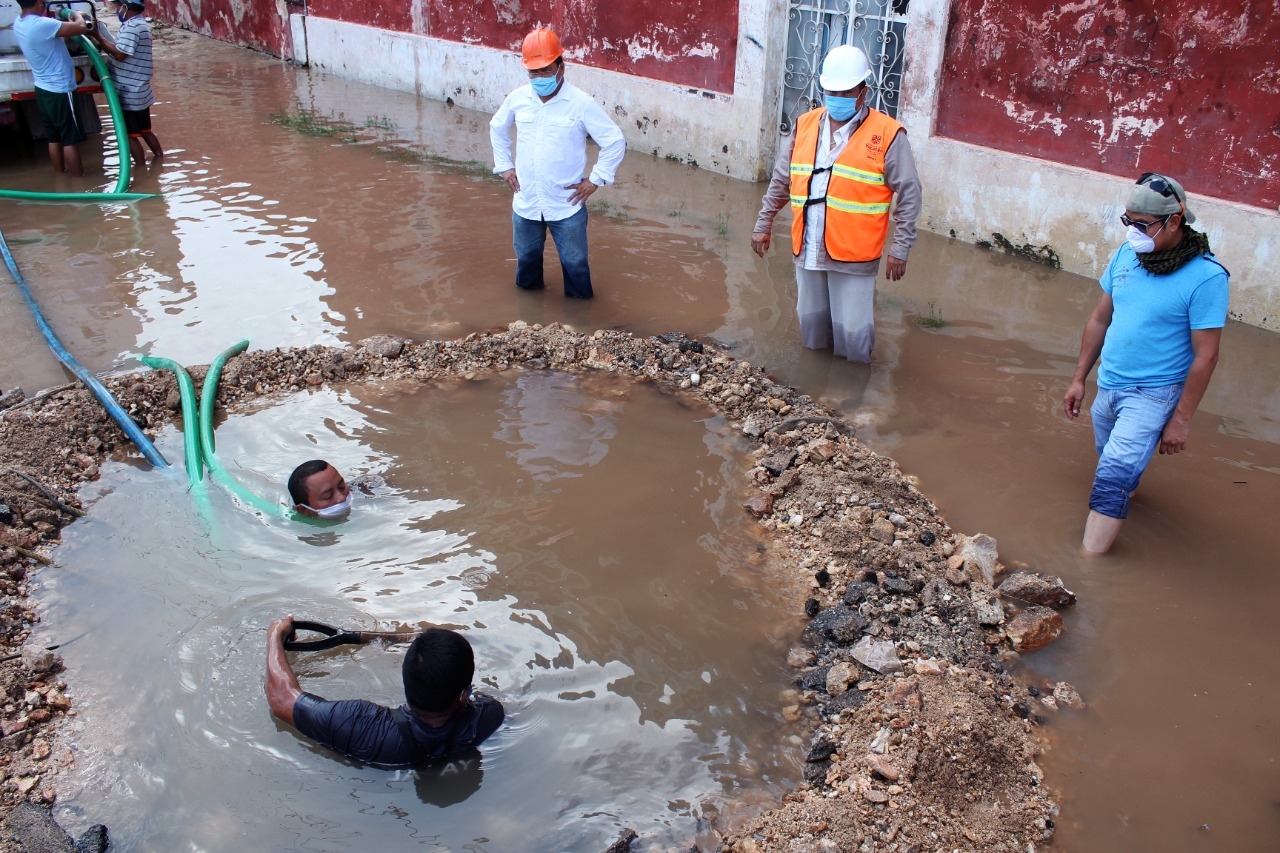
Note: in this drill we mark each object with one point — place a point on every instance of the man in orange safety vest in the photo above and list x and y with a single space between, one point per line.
843 168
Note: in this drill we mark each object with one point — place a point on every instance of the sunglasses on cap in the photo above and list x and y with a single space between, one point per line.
1129 223
1157 182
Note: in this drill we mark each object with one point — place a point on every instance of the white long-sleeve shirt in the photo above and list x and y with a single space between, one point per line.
551 152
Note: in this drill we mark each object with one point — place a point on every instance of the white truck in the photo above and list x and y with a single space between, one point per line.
17 87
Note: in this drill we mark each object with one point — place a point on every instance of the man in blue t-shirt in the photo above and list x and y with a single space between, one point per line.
41 40
441 721
1157 327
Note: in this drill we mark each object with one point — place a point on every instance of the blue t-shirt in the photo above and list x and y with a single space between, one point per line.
1148 343
368 732
45 52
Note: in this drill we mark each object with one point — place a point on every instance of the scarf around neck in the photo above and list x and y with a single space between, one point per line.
1193 245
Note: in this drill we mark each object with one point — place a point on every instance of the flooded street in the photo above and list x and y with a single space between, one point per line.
286 229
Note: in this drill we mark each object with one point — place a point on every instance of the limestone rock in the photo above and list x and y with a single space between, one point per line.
39 661
1033 588
880 655
881 767
386 346
980 554
839 677
1034 628
1067 695
987 607
928 666
882 530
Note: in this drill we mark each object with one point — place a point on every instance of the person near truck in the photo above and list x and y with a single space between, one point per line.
130 54
845 164
549 175
41 40
1156 327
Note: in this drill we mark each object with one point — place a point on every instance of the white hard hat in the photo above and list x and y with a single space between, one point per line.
845 67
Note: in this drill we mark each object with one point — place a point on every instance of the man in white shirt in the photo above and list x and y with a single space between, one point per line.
549 174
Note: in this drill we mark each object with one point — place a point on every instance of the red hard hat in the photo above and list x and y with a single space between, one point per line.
540 49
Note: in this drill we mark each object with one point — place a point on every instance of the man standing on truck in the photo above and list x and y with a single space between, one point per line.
41 40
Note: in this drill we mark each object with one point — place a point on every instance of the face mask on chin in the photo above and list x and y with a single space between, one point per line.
338 510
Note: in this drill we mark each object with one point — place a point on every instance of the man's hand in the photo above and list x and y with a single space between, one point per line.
760 242
510 177
1175 435
894 268
1072 402
280 630
581 191
283 689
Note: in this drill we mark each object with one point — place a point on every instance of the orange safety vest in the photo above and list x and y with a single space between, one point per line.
857 199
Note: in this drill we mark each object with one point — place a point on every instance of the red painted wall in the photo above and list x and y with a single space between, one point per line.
260 24
688 42
1124 87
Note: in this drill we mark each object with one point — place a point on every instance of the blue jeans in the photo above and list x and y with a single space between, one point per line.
1127 424
570 236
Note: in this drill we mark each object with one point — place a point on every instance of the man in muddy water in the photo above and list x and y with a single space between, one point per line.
549 175
1157 327
440 720
844 166
318 490
42 42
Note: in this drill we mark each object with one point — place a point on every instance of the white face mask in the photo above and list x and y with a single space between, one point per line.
338 510
1140 241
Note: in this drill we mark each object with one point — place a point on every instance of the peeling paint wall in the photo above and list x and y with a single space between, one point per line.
687 42
1123 87
1003 181
260 24
732 131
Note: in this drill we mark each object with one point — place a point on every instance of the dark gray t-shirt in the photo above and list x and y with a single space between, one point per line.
366 731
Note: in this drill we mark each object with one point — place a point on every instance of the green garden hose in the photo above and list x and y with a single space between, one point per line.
190 417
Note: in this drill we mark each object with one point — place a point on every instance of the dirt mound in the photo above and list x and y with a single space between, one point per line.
921 739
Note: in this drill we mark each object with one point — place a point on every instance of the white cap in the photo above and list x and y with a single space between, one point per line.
845 67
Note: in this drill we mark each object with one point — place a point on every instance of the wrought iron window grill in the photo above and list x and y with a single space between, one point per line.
815 26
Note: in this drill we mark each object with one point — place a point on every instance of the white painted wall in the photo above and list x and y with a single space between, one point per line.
975 192
731 134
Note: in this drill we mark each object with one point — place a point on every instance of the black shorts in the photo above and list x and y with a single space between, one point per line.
137 122
59 117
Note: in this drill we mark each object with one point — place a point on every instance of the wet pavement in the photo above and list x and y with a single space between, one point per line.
274 228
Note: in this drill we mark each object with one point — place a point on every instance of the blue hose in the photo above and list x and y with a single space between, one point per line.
113 407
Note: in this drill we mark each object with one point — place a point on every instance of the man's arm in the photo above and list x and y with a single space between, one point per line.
77 26
121 48
1204 345
776 197
613 145
500 140
283 689
901 176
1095 332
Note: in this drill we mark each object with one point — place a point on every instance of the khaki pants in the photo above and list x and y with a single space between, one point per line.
837 310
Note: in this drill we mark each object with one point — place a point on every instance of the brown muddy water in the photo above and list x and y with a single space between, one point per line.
286 234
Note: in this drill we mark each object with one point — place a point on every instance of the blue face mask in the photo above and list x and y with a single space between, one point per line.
120 14
841 108
544 86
